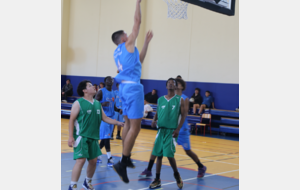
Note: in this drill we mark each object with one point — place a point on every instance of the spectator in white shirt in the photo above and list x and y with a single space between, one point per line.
147 108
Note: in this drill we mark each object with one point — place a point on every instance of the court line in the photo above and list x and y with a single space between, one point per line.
209 159
192 149
193 178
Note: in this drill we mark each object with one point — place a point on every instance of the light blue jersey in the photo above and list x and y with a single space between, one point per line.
185 130
129 65
118 100
108 96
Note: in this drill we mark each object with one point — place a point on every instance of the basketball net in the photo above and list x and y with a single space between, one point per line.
177 9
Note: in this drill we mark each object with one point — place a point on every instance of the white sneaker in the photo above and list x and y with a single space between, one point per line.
110 162
99 159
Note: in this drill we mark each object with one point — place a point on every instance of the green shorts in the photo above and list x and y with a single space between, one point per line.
86 148
165 144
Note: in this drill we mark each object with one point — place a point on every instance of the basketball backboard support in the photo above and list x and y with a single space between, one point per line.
226 7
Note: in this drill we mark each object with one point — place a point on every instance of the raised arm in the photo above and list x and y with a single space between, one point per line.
74 113
143 53
183 116
130 43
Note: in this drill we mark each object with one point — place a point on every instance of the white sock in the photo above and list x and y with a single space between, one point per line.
88 179
108 155
73 183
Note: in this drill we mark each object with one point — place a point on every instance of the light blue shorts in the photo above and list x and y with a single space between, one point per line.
132 97
184 141
119 117
106 130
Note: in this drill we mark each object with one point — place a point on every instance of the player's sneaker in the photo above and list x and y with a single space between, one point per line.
99 159
110 162
73 188
201 172
121 171
130 164
119 137
179 181
145 174
112 137
88 185
156 183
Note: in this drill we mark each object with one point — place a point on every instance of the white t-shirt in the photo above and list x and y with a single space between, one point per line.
148 108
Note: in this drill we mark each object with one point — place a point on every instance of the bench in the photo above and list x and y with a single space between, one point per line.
229 129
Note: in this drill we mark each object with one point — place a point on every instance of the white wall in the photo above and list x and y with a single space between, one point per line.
203 48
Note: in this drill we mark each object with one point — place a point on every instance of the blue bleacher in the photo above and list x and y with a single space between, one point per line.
223 124
229 129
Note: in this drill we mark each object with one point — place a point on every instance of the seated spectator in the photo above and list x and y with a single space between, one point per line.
151 97
101 85
147 108
67 90
207 102
196 100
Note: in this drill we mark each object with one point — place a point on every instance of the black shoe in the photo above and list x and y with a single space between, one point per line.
121 171
179 181
156 183
119 137
112 137
130 164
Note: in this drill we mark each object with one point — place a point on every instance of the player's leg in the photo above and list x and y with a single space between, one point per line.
158 152
147 172
202 107
157 182
94 151
134 130
201 167
76 172
195 107
110 161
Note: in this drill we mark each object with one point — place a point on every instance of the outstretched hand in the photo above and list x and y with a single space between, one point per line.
149 36
120 124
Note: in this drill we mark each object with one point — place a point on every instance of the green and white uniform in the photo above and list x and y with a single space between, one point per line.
86 130
168 112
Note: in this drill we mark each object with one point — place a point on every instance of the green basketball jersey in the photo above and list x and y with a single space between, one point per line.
87 123
168 112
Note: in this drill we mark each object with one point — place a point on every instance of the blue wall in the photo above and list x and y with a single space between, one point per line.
226 96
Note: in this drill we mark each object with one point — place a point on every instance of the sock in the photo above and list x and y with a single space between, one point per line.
73 183
157 176
124 159
176 173
88 179
199 164
108 155
118 133
150 165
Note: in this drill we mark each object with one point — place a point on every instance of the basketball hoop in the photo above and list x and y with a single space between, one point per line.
177 9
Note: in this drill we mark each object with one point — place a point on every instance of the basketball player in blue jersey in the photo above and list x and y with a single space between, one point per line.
128 61
118 116
183 138
106 97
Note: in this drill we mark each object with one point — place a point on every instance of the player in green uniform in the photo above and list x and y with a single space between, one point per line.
85 119
169 118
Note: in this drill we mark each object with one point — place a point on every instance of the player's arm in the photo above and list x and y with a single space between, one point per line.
74 113
183 116
154 121
143 53
99 96
130 43
117 109
109 120
213 105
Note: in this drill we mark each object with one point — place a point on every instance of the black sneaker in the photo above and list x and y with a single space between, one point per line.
112 137
130 164
119 137
156 183
179 181
121 171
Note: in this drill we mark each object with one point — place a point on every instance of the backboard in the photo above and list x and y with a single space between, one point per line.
226 7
